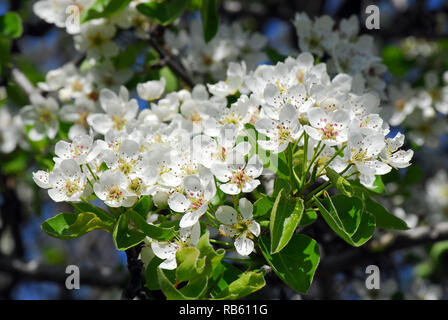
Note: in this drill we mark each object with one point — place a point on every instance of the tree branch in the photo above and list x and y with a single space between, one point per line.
172 61
135 267
102 277
23 82
401 240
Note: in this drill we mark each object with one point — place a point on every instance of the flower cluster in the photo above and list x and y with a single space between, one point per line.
188 145
349 52
421 110
232 43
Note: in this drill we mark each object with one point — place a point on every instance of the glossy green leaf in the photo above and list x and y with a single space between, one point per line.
263 206
150 230
309 216
212 257
189 265
152 280
280 184
72 225
247 283
339 182
296 263
125 237
378 186
347 217
285 217
384 219
224 274
106 217
143 206
194 290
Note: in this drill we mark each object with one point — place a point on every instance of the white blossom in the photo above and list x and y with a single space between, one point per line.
240 226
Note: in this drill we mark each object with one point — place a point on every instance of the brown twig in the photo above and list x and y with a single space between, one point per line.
135 267
172 61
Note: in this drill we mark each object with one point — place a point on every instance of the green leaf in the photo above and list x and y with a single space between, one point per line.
72 225
150 230
365 229
224 274
172 82
285 217
339 182
309 216
219 197
143 206
263 206
189 265
103 9
247 283
210 20
106 217
296 263
347 217
194 290
280 184
10 25
384 219
212 257
378 186
163 13
152 280
124 237
343 214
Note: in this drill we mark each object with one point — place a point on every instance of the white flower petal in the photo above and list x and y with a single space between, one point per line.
178 202
227 215
244 246
246 209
